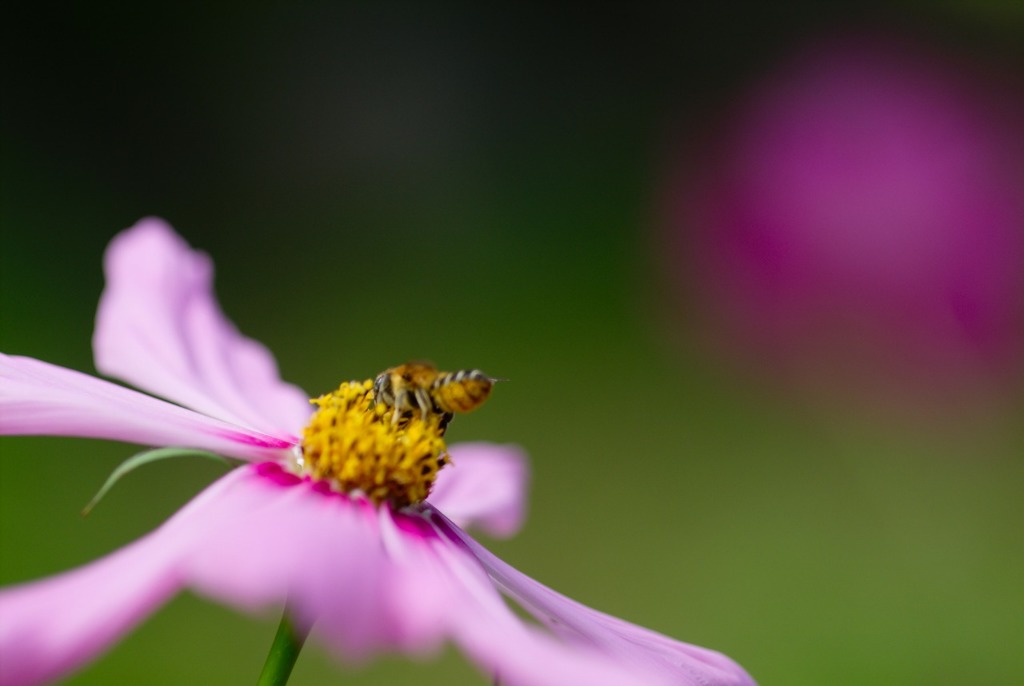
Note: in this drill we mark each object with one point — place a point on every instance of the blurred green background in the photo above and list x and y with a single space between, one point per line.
479 187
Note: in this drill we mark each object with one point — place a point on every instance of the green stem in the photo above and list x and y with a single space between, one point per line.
283 653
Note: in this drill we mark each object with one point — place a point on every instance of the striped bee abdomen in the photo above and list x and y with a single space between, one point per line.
461 391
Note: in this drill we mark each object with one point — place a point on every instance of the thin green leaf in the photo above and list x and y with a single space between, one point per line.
144 458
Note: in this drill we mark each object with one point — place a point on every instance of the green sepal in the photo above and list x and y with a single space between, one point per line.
144 458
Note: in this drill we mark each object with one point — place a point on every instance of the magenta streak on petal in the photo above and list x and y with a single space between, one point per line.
248 438
277 474
414 526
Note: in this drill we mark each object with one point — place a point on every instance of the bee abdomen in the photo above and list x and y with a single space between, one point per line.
461 391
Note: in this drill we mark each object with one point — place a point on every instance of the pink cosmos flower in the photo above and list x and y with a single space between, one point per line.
859 219
366 577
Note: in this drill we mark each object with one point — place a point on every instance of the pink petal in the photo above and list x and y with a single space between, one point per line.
284 540
259 537
364 578
484 487
339 564
38 398
679 663
367 580
49 628
159 327
482 624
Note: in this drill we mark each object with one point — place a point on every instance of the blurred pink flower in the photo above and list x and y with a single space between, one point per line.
369 577
861 218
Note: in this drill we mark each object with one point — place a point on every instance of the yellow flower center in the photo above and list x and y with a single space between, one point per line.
354 445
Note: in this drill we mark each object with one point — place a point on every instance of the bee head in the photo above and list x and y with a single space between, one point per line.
382 390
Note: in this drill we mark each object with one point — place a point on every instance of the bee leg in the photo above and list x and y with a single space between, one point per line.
401 401
423 402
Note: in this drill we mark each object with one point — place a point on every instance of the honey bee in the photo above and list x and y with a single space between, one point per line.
420 386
